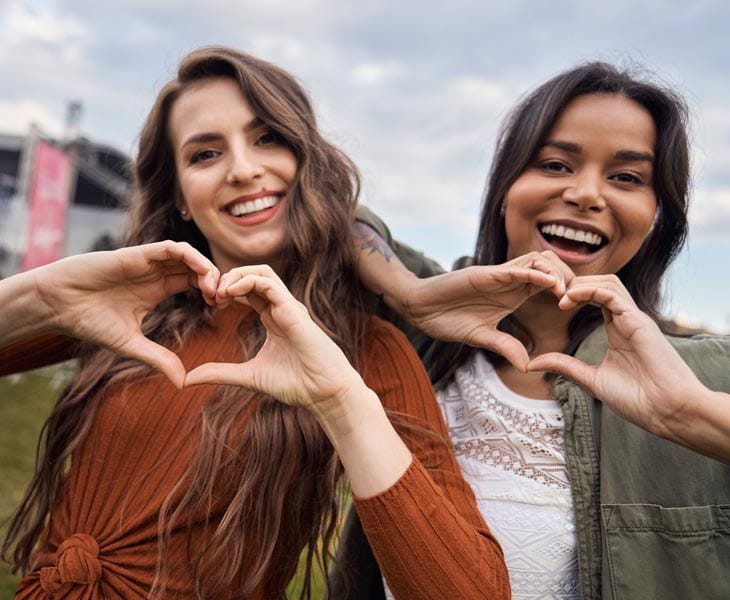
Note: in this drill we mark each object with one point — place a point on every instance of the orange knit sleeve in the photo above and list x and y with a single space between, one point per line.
36 352
426 531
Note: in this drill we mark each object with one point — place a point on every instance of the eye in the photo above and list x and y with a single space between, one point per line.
554 166
270 138
203 155
626 177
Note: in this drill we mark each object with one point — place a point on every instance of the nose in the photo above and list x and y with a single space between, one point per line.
244 166
585 192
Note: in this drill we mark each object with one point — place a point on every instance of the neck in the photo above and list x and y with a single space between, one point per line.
547 327
546 324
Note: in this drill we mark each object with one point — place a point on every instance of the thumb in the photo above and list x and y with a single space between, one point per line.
159 357
567 366
505 345
222 373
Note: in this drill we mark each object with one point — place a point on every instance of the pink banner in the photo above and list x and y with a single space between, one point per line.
48 203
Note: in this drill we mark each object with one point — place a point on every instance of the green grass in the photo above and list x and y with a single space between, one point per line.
25 402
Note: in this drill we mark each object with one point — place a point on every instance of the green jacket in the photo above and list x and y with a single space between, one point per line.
652 517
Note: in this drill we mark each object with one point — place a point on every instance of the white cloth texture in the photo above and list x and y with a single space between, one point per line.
511 451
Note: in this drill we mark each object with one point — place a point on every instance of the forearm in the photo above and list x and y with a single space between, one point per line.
372 453
425 547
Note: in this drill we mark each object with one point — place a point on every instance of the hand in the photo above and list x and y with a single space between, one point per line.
298 363
642 378
102 297
468 304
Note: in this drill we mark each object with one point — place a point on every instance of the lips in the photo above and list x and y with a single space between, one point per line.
252 203
571 233
239 209
572 238
253 209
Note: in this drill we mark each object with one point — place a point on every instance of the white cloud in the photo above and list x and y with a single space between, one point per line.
17 116
480 95
374 72
709 215
712 139
23 26
39 50
286 48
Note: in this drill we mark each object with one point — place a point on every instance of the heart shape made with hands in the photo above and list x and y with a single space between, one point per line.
466 306
120 288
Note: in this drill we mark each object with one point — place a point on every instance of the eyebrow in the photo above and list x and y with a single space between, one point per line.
624 155
207 137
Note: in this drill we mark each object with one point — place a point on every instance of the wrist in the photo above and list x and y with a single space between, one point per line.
25 311
372 453
680 412
397 294
703 424
346 409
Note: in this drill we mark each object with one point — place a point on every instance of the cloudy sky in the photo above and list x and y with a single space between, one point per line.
414 91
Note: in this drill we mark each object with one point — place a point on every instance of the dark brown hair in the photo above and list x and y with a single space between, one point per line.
523 133
285 469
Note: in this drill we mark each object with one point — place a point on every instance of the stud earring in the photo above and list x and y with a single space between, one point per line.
183 213
503 209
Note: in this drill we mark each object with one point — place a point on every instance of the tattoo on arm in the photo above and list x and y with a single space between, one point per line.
371 243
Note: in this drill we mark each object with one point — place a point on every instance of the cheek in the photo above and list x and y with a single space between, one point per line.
638 227
644 220
194 191
519 207
289 167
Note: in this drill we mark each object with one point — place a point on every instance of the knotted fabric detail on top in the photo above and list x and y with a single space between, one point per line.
76 562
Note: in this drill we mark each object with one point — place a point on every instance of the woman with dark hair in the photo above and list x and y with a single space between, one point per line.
144 489
590 184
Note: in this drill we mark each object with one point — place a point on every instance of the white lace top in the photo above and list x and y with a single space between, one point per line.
510 449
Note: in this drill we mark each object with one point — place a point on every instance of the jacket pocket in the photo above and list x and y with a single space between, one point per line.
666 553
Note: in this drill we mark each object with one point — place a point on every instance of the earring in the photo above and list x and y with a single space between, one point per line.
183 213
503 209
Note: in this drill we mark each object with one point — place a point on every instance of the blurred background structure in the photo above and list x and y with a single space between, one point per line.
58 196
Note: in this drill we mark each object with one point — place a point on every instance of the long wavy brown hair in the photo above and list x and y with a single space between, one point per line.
284 468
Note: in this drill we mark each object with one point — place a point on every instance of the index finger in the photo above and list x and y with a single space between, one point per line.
207 273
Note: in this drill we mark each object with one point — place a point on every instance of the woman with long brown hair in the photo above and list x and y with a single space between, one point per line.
146 490
597 483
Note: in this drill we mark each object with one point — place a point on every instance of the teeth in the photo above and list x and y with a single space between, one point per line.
569 233
245 208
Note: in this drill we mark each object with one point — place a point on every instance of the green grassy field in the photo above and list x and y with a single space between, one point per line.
25 402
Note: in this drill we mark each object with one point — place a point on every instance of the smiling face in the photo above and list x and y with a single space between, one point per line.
588 193
234 174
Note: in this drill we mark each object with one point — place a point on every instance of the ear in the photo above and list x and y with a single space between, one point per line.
182 206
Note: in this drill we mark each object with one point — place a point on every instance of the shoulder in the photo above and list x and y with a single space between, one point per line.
702 344
414 260
708 355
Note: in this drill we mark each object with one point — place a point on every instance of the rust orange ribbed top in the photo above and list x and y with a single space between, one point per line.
426 530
